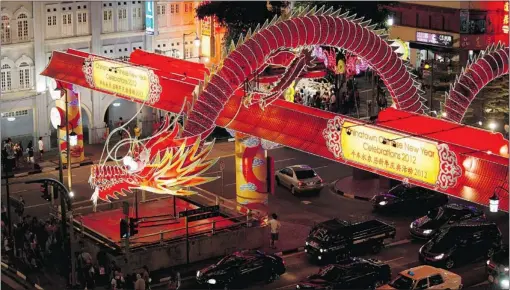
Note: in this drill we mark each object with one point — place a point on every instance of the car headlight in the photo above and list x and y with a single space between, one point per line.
306 243
412 225
488 262
297 287
383 202
198 274
504 283
211 281
439 257
427 232
323 250
506 269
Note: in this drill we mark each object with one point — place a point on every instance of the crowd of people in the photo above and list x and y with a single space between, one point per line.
14 157
345 100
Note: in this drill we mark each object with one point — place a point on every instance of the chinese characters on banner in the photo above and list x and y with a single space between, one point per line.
393 153
115 77
505 18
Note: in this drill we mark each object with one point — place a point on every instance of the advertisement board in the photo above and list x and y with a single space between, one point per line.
409 157
149 17
434 38
133 82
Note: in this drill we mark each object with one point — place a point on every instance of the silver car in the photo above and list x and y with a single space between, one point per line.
299 179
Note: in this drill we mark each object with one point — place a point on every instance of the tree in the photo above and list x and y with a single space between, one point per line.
240 16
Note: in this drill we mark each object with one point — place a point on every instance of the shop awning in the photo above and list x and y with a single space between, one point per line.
432 47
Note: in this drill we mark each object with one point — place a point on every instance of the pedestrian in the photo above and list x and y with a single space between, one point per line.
10 157
137 132
117 281
30 152
120 123
41 148
275 230
90 280
146 276
140 282
175 280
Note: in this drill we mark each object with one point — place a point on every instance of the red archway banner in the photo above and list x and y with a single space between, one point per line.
407 146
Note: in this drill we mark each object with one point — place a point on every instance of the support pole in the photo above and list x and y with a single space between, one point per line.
431 81
70 189
136 204
60 165
8 193
175 207
222 183
187 238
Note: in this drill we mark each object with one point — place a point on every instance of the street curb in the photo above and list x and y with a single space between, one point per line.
348 195
21 275
84 163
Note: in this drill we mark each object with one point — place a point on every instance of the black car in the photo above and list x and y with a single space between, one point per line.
426 226
408 199
242 268
461 243
334 240
358 274
497 269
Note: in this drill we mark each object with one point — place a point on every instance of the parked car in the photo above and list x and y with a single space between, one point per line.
408 199
242 268
299 179
461 243
497 269
425 277
334 240
426 226
359 274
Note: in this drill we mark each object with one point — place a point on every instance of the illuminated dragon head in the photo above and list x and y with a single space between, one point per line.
162 164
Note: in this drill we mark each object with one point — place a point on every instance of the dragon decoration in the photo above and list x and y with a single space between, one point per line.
173 160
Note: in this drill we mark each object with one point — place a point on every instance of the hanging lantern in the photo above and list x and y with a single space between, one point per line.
73 139
340 67
494 203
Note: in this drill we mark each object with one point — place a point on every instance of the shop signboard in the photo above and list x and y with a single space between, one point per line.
434 38
390 152
149 17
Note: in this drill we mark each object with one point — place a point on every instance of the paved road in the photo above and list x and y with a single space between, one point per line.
302 211
399 258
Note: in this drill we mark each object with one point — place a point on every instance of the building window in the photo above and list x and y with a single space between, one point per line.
67 24
6 29
24 76
107 20
177 8
122 24
82 27
137 18
172 8
187 52
6 83
188 7
161 11
22 27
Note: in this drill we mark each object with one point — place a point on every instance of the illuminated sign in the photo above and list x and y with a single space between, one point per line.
149 17
505 18
397 154
115 77
434 38
206 26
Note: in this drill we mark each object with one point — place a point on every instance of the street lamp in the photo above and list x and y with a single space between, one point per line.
196 42
389 22
493 126
494 203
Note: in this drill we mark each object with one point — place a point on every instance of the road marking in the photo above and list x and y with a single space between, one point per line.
397 243
284 160
306 202
293 254
393 260
37 205
19 191
320 167
230 184
480 284
479 267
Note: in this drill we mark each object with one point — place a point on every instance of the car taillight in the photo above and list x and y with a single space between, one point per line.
300 183
320 181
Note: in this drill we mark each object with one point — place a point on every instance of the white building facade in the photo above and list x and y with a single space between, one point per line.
32 30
